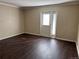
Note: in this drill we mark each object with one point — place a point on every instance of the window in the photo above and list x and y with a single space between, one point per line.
46 19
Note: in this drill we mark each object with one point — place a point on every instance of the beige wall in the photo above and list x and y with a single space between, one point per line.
66 20
11 23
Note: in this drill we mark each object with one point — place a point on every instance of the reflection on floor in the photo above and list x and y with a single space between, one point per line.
27 46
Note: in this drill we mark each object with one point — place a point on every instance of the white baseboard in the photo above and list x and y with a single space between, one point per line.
55 37
77 50
10 36
65 39
35 34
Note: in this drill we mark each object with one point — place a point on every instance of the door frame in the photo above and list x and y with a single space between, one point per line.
51 20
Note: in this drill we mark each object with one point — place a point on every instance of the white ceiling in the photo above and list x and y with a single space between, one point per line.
35 2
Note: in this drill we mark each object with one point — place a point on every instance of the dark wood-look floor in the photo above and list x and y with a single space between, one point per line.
35 47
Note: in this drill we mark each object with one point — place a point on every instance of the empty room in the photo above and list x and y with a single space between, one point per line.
39 29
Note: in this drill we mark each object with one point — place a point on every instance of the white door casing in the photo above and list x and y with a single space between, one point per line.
45 30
